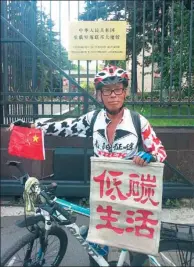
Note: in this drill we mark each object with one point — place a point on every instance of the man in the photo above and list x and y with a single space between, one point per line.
113 132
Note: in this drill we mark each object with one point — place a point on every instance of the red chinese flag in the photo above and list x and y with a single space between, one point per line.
27 143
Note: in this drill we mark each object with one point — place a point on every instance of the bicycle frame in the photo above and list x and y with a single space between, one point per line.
74 229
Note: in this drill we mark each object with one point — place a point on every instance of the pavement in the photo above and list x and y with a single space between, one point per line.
75 255
179 215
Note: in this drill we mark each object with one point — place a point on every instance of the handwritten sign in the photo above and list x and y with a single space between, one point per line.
97 40
125 204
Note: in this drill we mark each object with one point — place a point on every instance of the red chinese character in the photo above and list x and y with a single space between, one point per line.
130 221
133 186
147 189
143 228
102 179
140 230
144 190
109 219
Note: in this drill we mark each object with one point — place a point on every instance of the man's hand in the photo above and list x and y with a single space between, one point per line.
143 158
21 123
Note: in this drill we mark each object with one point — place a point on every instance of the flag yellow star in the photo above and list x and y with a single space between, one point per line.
35 138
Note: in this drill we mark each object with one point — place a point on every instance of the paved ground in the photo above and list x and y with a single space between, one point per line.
75 256
181 215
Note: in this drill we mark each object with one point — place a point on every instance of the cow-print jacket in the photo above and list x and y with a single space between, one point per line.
125 139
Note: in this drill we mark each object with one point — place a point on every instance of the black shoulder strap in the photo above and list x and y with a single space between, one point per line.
136 121
93 120
137 124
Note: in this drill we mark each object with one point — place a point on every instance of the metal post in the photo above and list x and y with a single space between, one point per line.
34 56
4 68
134 54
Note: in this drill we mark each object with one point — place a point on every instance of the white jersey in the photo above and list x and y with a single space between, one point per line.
125 140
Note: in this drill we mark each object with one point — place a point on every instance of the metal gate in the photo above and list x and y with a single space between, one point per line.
39 82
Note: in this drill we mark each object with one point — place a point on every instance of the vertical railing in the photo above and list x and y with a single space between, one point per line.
134 54
31 70
4 69
191 54
34 54
153 24
180 54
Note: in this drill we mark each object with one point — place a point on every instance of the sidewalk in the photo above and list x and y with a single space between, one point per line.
181 215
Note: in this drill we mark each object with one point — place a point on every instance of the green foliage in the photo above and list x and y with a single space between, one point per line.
163 109
119 63
49 42
88 87
73 66
117 10
37 27
158 27
171 122
132 12
174 63
172 203
84 202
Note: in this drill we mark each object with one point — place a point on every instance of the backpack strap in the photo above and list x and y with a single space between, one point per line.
137 124
93 120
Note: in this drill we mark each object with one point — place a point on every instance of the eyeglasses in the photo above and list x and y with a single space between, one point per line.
108 92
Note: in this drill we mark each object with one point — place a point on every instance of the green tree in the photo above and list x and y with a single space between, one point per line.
26 66
48 41
174 63
131 11
150 23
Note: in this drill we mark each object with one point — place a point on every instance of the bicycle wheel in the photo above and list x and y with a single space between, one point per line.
17 256
171 253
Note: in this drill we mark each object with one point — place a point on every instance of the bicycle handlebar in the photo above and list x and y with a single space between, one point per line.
24 174
50 187
45 190
19 166
56 206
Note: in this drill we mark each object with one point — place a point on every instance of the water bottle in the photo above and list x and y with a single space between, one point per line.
102 250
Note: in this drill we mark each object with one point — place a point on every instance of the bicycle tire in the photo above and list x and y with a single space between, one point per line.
186 246
55 231
166 246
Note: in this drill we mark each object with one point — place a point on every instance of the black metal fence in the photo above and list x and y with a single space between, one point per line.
38 80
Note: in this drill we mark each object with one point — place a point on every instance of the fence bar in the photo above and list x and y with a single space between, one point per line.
30 65
47 59
191 28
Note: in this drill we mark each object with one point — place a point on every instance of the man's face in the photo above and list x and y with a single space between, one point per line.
113 96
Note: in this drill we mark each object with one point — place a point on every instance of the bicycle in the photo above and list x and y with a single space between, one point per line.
53 213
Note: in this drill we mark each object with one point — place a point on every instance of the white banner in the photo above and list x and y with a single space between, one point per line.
125 204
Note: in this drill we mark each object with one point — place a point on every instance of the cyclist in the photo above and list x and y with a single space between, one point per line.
113 132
